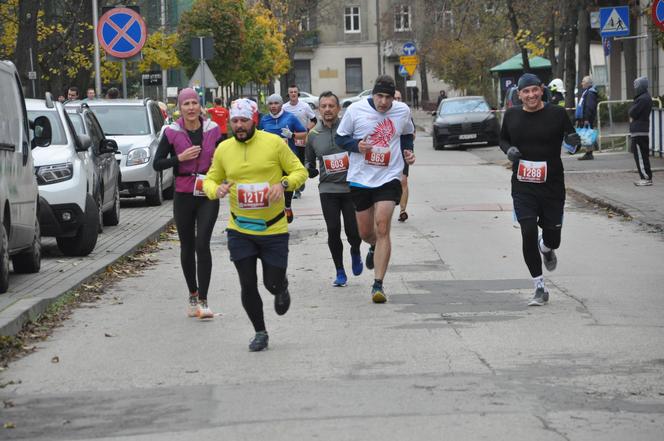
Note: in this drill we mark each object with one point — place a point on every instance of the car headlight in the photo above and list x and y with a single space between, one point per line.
138 156
51 174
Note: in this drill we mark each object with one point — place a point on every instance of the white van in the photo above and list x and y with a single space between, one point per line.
20 238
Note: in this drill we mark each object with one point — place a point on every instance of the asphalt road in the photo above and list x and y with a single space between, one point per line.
454 354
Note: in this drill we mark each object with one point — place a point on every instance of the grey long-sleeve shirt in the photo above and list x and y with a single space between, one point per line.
320 142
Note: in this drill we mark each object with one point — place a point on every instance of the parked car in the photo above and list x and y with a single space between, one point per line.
464 120
20 237
512 97
70 202
352 99
136 125
309 99
107 180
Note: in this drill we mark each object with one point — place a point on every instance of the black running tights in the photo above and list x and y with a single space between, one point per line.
274 280
529 237
288 195
194 218
334 206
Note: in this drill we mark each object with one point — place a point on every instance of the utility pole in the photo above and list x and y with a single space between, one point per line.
164 73
378 51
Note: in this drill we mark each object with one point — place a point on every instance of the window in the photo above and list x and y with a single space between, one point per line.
352 19
401 18
122 120
444 18
303 24
353 75
302 70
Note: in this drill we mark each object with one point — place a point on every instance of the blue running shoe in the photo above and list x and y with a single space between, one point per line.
358 266
341 279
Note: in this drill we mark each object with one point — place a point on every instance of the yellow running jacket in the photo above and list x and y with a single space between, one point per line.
252 166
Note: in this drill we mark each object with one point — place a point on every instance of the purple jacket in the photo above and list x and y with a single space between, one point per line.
177 136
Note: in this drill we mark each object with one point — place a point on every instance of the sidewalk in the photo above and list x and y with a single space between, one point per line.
30 294
607 180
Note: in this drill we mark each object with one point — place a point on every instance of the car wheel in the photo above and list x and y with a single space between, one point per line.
436 146
155 196
86 238
170 191
112 217
4 259
30 261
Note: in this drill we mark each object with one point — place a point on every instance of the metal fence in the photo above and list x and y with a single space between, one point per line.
613 125
656 132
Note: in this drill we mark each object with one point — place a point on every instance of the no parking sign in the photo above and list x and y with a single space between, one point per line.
122 32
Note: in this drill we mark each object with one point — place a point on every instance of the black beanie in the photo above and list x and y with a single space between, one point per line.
384 84
528 80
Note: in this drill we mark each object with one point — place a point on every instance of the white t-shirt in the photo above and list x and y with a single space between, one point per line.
302 110
383 130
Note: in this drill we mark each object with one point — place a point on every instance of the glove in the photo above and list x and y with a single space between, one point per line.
572 139
286 133
313 172
513 154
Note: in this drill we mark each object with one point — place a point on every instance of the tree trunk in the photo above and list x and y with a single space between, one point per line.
515 30
629 52
26 40
424 90
584 39
570 55
551 50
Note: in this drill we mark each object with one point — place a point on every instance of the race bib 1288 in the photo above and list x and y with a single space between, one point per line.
531 171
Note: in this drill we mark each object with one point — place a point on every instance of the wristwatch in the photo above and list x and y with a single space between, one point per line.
284 183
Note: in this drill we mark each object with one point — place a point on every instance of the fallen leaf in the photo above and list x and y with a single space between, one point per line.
108 335
8 403
9 425
55 359
191 372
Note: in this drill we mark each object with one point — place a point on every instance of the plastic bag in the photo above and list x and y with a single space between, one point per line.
588 136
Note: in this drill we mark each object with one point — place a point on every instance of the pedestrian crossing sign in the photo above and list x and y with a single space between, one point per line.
614 21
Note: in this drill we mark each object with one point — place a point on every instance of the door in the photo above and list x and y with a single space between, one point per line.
102 160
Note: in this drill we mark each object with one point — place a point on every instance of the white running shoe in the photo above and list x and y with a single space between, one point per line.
204 312
193 307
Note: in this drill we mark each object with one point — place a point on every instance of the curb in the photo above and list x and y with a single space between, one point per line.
25 310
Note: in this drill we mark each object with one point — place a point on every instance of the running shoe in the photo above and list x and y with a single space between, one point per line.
204 311
282 302
341 279
643 183
540 297
370 256
192 309
289 214
549 258
378 294
358 266
259 342
588 156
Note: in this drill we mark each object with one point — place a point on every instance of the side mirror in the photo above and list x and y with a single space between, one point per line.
86 143
108 146
42 132
434 113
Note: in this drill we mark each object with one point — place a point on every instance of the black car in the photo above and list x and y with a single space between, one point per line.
107 179
464 120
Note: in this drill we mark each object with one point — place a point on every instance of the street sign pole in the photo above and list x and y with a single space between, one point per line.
124 78
32 69
164 74
202 69
95 23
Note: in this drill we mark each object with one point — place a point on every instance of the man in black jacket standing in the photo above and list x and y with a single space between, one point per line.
639 127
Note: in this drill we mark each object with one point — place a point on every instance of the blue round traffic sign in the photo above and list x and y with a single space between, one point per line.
409 49
122 32
658 13
402 71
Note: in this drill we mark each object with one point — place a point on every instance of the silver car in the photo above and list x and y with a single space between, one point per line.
136 125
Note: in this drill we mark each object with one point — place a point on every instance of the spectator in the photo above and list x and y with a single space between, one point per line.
639 129
90 94
73 93
113 93
416 97
442 96
586 111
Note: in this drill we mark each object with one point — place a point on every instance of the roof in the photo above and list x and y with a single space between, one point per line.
515 63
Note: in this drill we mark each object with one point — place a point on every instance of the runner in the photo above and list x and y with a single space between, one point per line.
219 114
335 197
531 136
307 118
403 203
379 134
254 168
188 145
288 127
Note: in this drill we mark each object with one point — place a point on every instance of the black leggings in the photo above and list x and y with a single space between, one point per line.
274 280
288 195
529 236
334 205
194 218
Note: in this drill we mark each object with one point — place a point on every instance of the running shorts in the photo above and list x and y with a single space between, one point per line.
547 211
271 249
365 198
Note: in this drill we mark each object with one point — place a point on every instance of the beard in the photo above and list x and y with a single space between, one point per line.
244 135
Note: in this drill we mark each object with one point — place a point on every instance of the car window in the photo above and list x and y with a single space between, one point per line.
463 106
157 119
10 132
77 121
122 120
93 131
57 128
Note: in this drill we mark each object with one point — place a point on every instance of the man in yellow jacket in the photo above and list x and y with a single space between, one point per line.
254 168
